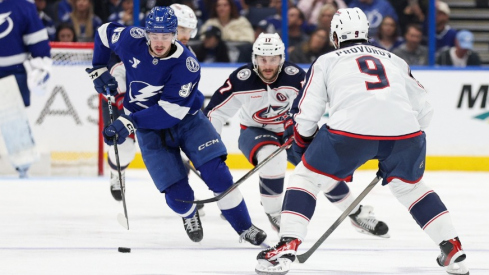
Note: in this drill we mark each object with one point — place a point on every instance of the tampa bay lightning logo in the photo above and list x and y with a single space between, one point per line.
192 64
137 33
272 114
6 24
143 94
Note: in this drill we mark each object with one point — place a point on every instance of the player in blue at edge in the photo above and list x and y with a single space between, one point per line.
162 106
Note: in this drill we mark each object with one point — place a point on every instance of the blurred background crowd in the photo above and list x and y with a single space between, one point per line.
227 28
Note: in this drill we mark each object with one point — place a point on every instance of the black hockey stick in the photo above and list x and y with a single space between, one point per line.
123 220
303 257
246 176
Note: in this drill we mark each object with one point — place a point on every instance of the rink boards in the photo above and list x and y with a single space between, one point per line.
65 118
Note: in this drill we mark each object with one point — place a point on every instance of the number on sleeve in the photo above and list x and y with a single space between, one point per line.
373 66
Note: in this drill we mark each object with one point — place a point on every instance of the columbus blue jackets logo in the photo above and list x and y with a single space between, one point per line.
143 94
272 114
192 64
291 70
6 24
244 74
137 33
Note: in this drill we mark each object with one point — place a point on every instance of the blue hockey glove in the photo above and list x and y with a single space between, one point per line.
123 126
300 144
101 78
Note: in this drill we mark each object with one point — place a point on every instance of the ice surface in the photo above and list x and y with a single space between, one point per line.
67 225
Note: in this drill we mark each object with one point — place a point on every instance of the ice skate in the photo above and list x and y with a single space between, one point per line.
200 208
193 227
115 186
277 260
365 222
254 235
274 220
452 257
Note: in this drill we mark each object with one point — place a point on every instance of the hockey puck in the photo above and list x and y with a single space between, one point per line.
124 249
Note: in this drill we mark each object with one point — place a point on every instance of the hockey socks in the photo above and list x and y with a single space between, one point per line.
271 194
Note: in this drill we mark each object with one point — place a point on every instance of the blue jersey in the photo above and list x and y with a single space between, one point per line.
21 34
160 91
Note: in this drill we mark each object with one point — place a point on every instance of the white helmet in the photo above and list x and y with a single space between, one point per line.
268 44
349 24
186 17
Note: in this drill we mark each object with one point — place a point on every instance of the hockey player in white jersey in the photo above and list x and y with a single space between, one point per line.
187 28
162 107
264 90
25 64
377 111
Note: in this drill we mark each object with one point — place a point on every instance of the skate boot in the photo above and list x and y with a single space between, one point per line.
115 186
253 235
274 221
277 259
200 208
194 229
365 222
452 257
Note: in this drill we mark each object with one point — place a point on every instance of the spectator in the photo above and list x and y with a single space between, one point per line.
310 50
445 35
388 36
84 20
325 15
412 51
297 34
312 8
65 33
461 55
410 11
375 10
46 20
63 8
212 49
225 16
105 8
125 17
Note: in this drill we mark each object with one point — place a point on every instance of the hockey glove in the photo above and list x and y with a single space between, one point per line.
288 130
38 70
101 78
121 128
300 144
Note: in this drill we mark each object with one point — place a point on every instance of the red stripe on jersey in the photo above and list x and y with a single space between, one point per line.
258 146
308 166
347 134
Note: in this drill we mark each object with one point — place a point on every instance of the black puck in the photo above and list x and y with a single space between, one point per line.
124 249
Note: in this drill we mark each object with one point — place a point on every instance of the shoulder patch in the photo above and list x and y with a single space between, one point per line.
291 70
137 33
185 90
117 34
244 74
192 64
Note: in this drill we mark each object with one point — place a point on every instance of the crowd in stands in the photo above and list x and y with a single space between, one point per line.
227 28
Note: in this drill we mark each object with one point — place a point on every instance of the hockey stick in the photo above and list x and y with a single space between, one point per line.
303 257
246 176
123 220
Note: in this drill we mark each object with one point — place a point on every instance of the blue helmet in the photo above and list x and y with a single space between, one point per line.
161 20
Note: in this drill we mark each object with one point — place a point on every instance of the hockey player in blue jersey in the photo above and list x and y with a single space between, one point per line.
264 91
162 106
25 64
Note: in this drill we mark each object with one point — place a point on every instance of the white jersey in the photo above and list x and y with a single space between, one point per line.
370 92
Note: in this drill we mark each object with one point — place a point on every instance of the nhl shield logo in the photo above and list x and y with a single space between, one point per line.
281 97
192 64
291 70
244 74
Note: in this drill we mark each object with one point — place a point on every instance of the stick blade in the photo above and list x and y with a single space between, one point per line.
121 219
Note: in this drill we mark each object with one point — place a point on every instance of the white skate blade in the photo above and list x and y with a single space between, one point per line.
263 267
121 219
385 236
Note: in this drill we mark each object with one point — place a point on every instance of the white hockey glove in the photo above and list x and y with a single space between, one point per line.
38 70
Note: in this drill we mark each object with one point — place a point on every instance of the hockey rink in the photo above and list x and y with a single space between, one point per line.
63 225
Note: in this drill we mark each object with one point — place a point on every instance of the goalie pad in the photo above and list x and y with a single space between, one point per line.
38 70
14 125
